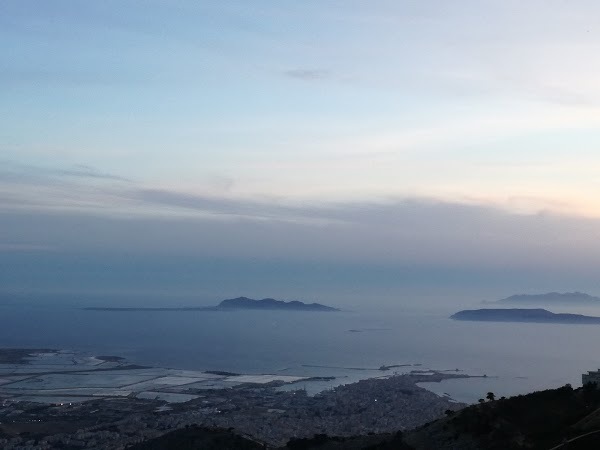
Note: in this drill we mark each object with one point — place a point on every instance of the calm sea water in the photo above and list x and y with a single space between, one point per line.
517 358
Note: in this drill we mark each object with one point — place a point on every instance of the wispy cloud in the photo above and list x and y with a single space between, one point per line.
25 173
231 206
83 171
83 188
307 74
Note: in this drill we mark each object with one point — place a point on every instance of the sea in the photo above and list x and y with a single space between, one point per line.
505 358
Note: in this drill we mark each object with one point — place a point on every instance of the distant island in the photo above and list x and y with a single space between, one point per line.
523 315
269 303
551 298
229 305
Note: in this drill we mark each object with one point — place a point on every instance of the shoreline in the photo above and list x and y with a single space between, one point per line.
73 361
119 397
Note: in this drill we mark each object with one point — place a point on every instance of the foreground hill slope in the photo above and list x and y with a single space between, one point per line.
192 438
199 438
540 420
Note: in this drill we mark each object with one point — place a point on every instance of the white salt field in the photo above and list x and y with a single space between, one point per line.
57 381
206 385
66 377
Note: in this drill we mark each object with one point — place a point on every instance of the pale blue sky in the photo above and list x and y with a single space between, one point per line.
283 114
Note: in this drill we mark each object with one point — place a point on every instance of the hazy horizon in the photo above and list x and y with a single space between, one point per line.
384 153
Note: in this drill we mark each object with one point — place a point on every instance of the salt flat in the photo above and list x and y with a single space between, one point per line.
175 381
63 376
56 381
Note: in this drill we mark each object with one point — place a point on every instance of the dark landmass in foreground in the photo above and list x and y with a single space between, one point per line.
551 298
231 304
260 414
523 315
383 413
563 418
47 403
540 420
200 438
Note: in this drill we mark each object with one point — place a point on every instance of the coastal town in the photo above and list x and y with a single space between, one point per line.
54 399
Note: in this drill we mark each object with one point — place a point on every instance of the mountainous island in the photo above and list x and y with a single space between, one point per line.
231 304
269 303
523 315
551 298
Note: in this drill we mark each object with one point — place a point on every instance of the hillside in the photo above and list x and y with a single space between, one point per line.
539 420
191 438
199 438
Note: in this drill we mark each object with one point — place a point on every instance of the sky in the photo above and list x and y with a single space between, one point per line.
309 149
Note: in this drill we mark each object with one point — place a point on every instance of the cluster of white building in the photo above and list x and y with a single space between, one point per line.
593 376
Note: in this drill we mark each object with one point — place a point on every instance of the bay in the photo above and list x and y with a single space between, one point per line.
515 358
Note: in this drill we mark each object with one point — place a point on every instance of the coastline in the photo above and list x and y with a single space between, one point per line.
121 395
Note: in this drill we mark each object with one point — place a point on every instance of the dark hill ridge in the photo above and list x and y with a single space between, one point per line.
202 438
523 315
229 305
540 420
551 298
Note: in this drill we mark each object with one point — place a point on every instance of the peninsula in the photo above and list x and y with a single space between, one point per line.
523 315
65 399
229 305
551 298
